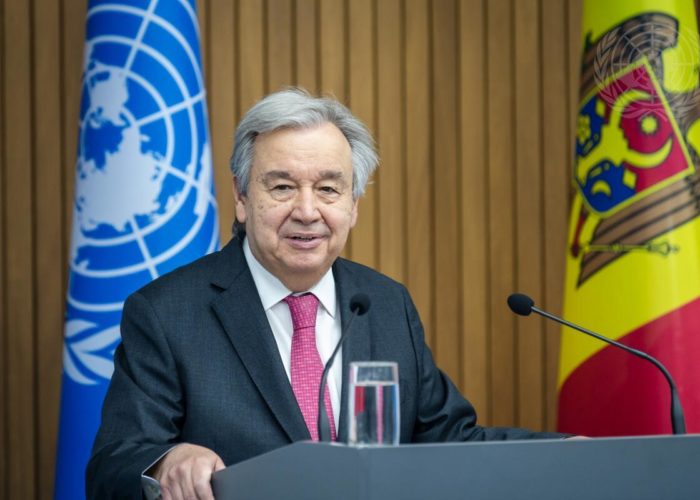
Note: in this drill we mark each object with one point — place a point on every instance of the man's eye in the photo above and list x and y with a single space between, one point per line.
328 190
281 187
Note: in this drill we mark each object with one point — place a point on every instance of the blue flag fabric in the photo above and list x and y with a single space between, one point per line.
144 199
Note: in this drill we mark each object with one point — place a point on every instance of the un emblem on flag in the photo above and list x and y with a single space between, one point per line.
144 201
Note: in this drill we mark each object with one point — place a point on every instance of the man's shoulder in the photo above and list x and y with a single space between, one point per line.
190 279
366 276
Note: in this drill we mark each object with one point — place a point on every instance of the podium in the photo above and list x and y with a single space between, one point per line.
658 467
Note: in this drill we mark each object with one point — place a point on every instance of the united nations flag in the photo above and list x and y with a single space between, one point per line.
144 200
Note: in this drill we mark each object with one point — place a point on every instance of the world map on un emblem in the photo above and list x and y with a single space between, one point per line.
144 202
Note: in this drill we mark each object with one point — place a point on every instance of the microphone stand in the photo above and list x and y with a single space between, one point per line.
677 419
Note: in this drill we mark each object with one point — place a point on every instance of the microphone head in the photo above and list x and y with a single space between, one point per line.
520 304
360 303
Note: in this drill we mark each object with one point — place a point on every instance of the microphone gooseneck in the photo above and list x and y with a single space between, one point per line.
359 305
523 305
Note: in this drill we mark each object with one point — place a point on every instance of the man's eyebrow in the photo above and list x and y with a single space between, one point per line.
275 174
335 175
332 175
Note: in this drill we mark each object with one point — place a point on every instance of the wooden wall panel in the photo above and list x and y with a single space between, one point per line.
390 118
333 46
251 52
474 195
4 403
47 230
222 85
19 273
306 56
557 154
501 209
472 103
279 45
446 214
418 158
362 98
529 340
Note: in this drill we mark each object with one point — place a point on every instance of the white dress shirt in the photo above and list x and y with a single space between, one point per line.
328 325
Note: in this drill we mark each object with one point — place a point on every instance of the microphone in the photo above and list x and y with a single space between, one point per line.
523 305
359 305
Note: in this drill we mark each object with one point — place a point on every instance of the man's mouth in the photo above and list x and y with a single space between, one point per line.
305 241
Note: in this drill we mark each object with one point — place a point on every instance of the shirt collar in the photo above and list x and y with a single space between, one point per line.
272 290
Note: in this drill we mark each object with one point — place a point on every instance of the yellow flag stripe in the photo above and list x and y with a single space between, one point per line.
604 302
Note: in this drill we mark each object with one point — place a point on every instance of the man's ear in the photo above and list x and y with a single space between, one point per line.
353 213
240 200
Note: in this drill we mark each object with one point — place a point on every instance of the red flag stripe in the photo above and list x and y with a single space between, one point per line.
613 393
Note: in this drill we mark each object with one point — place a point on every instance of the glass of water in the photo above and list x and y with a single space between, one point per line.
374 403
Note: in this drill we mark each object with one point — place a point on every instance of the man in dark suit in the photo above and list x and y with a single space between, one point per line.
203 376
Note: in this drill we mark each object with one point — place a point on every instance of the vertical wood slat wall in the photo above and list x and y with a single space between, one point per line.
472 105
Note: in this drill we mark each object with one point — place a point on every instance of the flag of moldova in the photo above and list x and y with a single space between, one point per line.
633 255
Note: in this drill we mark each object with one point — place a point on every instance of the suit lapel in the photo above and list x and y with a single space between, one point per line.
357 347
241 313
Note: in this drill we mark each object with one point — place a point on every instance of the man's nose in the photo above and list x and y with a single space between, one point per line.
306 206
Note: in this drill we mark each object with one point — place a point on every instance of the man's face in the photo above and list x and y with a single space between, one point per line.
299 207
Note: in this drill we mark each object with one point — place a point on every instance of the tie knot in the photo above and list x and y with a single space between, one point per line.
303 309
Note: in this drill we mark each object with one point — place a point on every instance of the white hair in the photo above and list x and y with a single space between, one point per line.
296 109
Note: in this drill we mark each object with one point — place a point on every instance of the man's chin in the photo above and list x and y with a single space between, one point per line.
305 268
309 265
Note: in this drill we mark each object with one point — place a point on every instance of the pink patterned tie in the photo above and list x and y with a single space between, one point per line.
307 366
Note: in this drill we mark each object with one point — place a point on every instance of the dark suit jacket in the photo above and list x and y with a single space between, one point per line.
198 363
